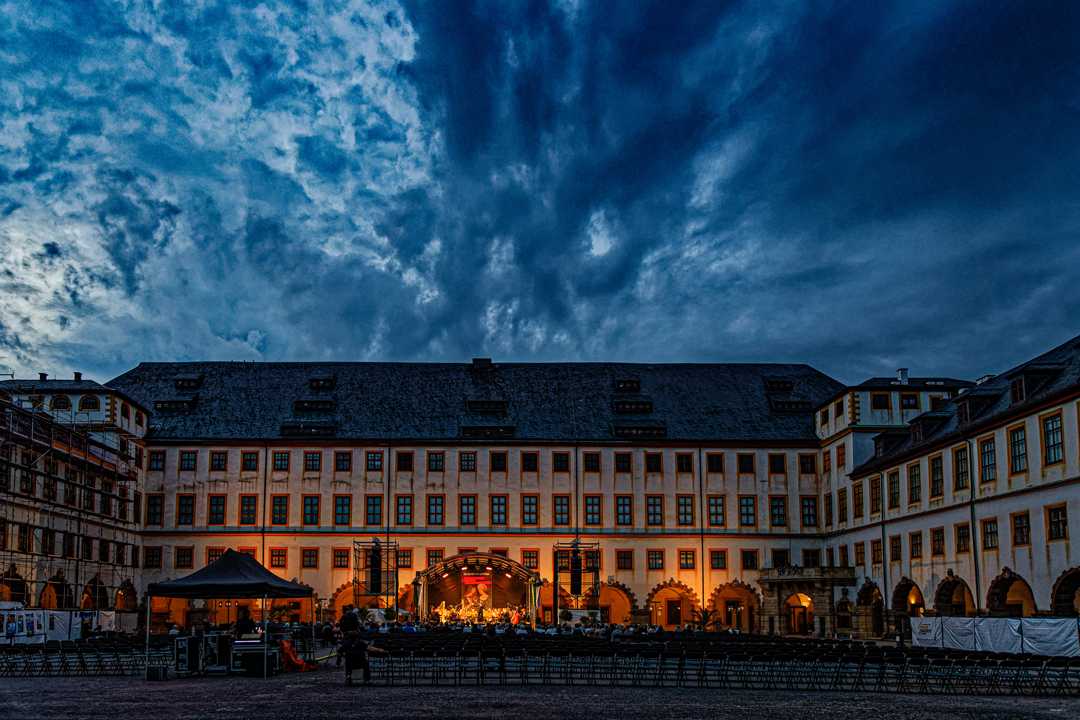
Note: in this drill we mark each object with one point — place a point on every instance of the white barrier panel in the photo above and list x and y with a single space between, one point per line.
958 633
1051 636
926 632
998 635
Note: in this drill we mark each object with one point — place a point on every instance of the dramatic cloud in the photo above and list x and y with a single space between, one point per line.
858 185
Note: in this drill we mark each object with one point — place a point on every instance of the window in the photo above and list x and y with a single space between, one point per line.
781 558
895 549
961 471
436 462
624 509
684 463
404 461
467 461
213 554
373 510
838 410
184 558
808 464
279 510
278 557
687 560
990 534
841 457
436 505
826 461
654 463
914 480
1051 438
592 510
311 509
909 401
963 538
312 462
248 509
915 545
560 462
745 462
857 500
875 552
875 495
157 460
714 463
343 510
747 511
987 461
467 510
841 505
684 506
715 505
777 465
530 559
718 559
654 559
591 462
811 557
842 556
879 401
1021 529
937 477
215 510
561 510
860 554
281 460
155 509
249 461
1017 450
309 557
373 461
624 559
498 509
404 512
434 556
341 559
530 509
187 460
497 461
623 462
1057 523
749 559
218 461
937 542
809 513
404 558
823 417
777 511
185 509
342 462
152 558
654 509
894 489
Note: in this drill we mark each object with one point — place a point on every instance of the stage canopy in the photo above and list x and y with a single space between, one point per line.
233 575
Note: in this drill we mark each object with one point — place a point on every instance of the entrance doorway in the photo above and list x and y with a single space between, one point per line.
800 614
674 612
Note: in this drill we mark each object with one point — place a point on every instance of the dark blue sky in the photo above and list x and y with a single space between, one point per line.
860 186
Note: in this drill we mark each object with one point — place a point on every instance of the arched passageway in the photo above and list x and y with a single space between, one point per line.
870 611
671 604
1010 596
953 598
737 605
1065 596
798 614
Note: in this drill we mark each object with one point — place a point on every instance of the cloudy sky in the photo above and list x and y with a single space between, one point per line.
858 185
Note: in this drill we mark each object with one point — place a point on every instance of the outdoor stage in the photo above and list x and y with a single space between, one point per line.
322 695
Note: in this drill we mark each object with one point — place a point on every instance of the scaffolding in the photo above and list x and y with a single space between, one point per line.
375 574
69 513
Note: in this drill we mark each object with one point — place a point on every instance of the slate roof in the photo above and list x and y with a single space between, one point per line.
1060 367
428 401
49 386
915 383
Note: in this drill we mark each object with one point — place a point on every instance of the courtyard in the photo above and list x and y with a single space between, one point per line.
321 694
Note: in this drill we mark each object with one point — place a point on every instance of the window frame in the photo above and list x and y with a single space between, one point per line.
304 502
436 502
1060 444
273 508
462 498
407 502
654 501
337 497
753 507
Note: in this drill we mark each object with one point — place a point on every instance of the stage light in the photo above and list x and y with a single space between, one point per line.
488 568
446 575
509 575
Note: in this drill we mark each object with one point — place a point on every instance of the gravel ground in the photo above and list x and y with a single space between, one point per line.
321 694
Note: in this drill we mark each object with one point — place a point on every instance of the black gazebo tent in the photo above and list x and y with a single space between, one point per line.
233 575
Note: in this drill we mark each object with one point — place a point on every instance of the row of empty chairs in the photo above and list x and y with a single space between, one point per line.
95 657
732 662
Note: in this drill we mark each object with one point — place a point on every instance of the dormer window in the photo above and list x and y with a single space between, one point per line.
323 382
486 407
633 407
628 385
917 432
823 417
89 402
909 401
963 412
1016 390
60 402
778 385
187 383
174 404
313 405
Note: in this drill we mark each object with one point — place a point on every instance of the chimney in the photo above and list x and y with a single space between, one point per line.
43 376
78 376
481 363
901 375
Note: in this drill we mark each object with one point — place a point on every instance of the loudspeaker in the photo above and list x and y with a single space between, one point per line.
375 571
575 572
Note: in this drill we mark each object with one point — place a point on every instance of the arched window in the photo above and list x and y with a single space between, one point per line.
89 402
60 402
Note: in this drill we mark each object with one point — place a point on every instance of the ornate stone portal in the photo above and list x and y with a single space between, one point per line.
799 601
